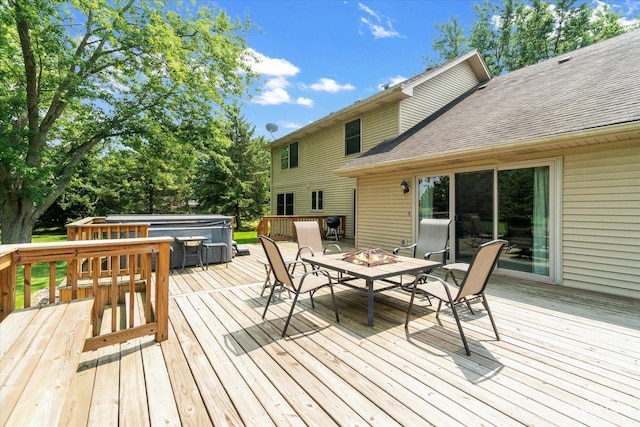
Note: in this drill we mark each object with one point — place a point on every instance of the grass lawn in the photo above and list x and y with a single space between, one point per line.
40 271
245 237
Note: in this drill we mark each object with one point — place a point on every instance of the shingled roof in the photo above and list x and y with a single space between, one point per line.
591 88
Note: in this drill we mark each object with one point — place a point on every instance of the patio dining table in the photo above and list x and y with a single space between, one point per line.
381 273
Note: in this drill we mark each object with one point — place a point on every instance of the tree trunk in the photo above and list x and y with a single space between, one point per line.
237 219
16 224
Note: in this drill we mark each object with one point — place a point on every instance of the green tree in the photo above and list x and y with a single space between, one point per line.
450 42
234 179
517 33
76 75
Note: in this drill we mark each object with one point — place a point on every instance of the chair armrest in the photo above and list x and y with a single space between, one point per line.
291 265
427 279
332 245
316 272
299 255
444 252
404 248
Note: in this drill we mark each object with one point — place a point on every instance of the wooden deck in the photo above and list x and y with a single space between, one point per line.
565 358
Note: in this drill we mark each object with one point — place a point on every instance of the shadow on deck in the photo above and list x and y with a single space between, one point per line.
566 357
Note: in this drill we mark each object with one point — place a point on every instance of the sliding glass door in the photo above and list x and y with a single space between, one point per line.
506 203
473 212
523 213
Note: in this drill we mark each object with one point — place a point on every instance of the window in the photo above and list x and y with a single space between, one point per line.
352 137
285 204
289 156
316 200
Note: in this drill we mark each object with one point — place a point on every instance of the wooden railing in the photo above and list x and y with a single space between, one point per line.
138 292
95 228
281 227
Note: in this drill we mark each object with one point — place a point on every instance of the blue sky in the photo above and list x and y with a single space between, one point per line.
318 56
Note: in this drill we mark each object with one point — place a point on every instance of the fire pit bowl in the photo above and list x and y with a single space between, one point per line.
369 257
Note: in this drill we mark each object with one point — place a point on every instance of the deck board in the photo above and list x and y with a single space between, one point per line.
565 357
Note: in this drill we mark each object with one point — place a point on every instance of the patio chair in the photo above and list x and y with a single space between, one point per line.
309 282
433 236
471 289
309 240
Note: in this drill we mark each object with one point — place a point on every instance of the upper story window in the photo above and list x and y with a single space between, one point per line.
289 156
317 203
352 137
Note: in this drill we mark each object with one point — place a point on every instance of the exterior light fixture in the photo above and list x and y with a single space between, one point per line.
404 186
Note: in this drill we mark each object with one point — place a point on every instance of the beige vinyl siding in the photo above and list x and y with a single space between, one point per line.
319 155
601 220
379 125
437 92
384 211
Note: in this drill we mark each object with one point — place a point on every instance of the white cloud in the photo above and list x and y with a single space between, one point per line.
307 102
275 96
277 83
628 11
378 24
329 85
269 66
274 91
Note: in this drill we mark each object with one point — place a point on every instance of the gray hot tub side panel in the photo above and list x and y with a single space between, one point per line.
215 228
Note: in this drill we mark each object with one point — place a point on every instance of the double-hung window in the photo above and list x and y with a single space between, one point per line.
289 156
352 137
317 203
284 204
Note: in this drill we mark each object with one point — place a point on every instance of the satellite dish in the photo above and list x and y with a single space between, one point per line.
272 127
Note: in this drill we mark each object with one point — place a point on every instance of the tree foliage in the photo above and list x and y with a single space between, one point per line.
77 77
516 33
233 179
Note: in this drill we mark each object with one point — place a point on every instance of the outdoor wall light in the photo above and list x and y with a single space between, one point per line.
404 186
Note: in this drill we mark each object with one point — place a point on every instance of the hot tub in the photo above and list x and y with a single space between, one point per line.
215 228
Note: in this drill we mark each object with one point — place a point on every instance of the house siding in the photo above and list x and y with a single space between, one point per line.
599 213
601 222
434 94
378 125
385 214
319 155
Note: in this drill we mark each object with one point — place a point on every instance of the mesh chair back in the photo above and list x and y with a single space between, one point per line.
309 236
433 236
480 269
278 266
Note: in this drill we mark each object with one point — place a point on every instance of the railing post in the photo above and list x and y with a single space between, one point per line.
8 290
162 292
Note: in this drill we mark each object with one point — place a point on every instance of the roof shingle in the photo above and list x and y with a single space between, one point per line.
598 86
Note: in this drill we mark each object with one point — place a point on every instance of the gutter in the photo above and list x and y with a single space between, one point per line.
488 152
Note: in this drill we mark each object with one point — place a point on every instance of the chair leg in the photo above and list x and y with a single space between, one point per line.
311 298
439 306
413 295
273 288
293 306
464 339
486 306
469 306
